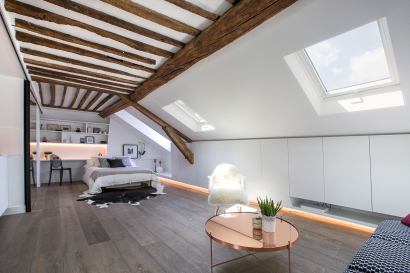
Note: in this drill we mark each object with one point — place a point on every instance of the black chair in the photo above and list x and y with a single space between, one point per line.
57 165
32 169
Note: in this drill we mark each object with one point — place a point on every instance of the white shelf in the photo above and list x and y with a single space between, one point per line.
46 131
74 133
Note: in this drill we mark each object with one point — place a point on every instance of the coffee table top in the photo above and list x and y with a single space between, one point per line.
235 230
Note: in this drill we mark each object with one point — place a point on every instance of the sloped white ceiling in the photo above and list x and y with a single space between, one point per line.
246 90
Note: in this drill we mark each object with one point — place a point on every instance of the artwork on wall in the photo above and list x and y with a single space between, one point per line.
52 127
32 125
89 139
96 130
65 128
130 150
82 140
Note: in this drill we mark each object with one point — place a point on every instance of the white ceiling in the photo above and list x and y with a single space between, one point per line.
246 90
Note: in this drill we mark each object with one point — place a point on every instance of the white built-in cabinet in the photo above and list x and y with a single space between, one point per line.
390 166
306 168
347 172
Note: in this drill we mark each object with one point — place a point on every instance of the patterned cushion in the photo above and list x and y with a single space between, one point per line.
378 255
125 160
104 163
393 231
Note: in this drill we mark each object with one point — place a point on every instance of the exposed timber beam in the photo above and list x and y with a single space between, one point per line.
41 14
33 39
194 9
52 94
168 129
233 2
74 109
79 71
32 103
56 74
75 80
64 93
86 95
236 22
96 97
72 39
182 147
148 14
76 62
103 101
46 80
75 98
41 93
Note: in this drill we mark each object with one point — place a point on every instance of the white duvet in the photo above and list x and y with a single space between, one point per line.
119 179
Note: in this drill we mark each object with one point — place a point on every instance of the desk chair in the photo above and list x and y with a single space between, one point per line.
57 165
32 169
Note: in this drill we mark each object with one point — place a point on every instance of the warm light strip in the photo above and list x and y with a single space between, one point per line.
303 213
68 144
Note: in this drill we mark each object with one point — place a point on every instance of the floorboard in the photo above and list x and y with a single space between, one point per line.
163 234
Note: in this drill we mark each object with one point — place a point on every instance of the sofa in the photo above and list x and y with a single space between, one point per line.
387 250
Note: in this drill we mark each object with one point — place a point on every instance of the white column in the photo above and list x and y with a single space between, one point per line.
38 146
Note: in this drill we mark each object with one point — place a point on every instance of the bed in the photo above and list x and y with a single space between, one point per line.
98 177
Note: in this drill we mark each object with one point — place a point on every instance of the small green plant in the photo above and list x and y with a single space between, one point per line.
48 153
34 152
142 149
268 207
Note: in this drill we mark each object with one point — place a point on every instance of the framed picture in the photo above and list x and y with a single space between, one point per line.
82 140
32 125
89 139
65 128
96 130
52 127
130 150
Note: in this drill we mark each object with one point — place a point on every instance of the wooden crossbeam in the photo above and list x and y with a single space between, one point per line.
75 40
75 80
41 14
96 97
46 80
103 102
86 95
52 94
33 39
32 103
182 147
146 13
64 93
74 109
41 93
75 98
76 62
79 71
57 74
194 9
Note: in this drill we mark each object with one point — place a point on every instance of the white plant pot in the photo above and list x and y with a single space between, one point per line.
269 223
159 169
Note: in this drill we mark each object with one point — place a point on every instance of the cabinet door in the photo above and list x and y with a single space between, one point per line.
306 168
347 172
390 159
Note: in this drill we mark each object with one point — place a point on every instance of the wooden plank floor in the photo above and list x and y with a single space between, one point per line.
163 234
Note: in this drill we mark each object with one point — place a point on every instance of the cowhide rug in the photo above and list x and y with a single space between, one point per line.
110 196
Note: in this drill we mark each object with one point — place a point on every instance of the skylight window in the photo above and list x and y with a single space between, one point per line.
347 72
187 116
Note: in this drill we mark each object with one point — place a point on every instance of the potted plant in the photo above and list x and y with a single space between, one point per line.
269 211
34 155
142 149
47 154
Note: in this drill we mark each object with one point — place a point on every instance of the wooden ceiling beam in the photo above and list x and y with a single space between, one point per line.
96 97
233 2
101 103
52 94
41 14
79 71
69 84
77 81
76 62
68 108
181 145
148 14
75 98
194 9
37 40
64 93
85 97
235 23
41 93
72 39
57 74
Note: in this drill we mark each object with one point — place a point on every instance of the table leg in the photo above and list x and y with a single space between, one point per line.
210 236
289 255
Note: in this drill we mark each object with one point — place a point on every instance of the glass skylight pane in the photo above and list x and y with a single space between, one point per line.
352 58
191 112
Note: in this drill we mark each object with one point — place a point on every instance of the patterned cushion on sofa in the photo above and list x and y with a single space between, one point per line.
393 231
378 255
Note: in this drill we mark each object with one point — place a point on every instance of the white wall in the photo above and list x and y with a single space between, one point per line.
11 139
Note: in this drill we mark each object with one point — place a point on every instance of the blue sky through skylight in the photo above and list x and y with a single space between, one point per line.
352 58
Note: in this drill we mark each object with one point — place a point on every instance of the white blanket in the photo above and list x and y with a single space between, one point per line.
119 179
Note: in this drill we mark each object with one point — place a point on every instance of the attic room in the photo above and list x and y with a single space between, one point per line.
205 136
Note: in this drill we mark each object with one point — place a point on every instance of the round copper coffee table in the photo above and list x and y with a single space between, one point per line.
235 230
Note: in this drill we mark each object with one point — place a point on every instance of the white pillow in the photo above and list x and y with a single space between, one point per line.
90 163
133 163
97 162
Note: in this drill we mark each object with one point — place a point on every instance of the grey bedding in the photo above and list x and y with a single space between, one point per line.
100 172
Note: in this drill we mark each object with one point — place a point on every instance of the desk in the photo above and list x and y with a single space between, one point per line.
76 165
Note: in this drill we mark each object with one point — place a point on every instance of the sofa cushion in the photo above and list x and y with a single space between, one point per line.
406 220
378 255
393 231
